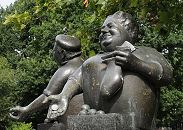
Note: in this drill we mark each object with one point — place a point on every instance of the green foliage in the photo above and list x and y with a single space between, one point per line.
30 27
19 20
171 45
33 75
7 93
20 126
171 105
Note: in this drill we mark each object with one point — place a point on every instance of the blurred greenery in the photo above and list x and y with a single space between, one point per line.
20 126
28 30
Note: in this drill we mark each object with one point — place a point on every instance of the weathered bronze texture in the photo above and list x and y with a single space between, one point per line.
125 79
67 53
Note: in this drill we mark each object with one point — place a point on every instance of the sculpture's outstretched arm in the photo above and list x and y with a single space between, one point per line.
59 103
54 87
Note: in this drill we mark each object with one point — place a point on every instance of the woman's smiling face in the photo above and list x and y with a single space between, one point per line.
112 35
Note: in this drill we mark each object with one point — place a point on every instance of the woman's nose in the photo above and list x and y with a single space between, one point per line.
105 29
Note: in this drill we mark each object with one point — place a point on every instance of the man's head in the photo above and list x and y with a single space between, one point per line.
117 29
66 48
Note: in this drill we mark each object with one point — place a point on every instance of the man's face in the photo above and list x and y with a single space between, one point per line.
59 54
112 35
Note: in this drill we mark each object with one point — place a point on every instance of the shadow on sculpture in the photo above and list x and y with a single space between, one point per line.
124 79
67 54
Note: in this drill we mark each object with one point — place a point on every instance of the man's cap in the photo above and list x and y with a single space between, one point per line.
67 42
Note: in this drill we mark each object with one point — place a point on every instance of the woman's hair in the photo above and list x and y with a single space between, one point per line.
126 21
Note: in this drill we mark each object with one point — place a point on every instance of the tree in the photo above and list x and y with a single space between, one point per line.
7 90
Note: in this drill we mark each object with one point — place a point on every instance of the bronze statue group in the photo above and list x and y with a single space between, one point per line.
124 79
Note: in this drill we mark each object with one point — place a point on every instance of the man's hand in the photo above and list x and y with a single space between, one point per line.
121 56
57 107
18 113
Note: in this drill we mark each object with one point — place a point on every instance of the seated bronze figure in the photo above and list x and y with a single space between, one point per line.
124 79
67 54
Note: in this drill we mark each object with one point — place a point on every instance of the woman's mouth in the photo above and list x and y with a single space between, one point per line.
106 35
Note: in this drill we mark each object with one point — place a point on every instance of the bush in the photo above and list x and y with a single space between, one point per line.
20 126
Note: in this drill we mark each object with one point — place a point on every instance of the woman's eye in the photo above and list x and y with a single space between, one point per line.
60 50
110 26
102 27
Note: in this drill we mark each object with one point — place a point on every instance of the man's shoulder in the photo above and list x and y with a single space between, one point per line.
96 58
69 66
145 49
142 50
148 53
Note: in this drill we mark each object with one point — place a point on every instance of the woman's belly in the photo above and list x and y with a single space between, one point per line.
137 100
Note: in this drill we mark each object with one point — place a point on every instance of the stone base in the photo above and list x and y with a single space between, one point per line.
51 126
110 121
95 122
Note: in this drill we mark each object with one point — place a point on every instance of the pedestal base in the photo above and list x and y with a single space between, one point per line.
110 121
95 122
51 126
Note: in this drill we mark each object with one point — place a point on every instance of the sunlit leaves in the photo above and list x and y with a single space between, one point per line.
19 20
91 18
20 126
101 2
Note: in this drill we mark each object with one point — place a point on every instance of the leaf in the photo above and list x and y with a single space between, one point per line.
10 18
100 2
37 9
133 3
91 18
92 53
163 16
57 1
142 13
22 26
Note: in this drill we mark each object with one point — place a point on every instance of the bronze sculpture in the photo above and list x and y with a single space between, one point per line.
124 79
67 53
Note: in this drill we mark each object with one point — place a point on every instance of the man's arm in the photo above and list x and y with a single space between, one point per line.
55 86
59 103
157 72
